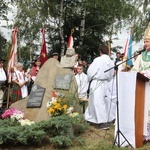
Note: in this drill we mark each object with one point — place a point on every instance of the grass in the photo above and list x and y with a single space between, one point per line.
96 139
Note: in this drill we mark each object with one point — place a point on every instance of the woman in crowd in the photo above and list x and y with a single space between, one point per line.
33 72
19 87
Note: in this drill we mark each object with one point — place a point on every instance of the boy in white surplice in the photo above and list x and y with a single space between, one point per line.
82 83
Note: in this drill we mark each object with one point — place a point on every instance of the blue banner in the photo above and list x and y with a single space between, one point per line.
129 53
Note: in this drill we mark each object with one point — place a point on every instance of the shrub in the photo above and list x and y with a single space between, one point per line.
61 131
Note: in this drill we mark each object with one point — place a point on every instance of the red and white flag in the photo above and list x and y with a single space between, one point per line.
70 42
126 49
13 54
43 53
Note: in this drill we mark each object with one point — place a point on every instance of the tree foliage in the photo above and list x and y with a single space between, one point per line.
3 17
3 9
92 21
141 18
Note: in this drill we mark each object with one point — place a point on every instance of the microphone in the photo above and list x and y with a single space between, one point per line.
141 50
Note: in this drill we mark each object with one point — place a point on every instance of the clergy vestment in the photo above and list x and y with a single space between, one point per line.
96 110
111 100
142 65
82 83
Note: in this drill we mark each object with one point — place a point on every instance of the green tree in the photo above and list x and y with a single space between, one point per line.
91 20
141 18
3 17
3 10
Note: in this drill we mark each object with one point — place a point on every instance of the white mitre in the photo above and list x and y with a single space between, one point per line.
147 33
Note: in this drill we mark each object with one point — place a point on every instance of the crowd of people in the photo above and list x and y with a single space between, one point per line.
23 80
95 80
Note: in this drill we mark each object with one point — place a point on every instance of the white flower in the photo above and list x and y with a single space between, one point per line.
17 116
70 110
54 99
51 101
25 122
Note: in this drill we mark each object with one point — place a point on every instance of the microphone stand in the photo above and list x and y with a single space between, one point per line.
117 103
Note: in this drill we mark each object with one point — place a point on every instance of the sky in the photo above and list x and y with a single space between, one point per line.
7 33
122 37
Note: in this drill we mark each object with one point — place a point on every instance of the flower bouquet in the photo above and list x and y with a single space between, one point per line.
16 115
13 114
57 105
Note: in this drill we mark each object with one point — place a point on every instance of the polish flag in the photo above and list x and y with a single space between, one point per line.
70 42
13 55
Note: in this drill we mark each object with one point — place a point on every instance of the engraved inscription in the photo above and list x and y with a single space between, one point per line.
63 81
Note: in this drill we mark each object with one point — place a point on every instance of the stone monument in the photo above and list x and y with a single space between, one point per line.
46 78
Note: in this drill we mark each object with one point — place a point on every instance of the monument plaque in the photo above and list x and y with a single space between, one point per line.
63 81
36 97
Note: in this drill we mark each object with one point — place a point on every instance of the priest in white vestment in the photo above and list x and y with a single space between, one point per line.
99 78
142 65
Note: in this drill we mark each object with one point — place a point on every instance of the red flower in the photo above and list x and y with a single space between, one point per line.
54 94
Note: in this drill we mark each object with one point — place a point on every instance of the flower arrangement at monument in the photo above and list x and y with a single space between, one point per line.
13 114
57 105
16 115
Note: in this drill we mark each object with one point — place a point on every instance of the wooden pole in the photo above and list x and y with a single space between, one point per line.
110 40
109 48
8 96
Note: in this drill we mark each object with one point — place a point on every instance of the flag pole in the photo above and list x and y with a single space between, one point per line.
109 48
110 40
11 62
8 95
